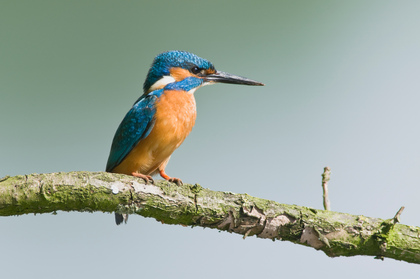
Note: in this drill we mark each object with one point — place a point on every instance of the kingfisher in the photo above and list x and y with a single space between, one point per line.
163 116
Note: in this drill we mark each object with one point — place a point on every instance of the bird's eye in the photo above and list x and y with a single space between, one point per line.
195 70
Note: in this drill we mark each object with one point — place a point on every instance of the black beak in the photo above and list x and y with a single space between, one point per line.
222 77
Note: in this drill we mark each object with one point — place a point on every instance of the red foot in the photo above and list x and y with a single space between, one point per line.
175 180
146 178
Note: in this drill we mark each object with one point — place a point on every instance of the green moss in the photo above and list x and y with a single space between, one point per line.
196 188
342 234
25 194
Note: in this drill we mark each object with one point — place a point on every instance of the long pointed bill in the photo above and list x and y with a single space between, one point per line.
222 77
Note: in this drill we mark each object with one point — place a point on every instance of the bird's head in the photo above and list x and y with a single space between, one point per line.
186 71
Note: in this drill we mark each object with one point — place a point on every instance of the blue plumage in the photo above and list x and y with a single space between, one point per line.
175 58
138 122
136 125
186 84
160 120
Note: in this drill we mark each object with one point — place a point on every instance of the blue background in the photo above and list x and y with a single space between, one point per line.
342 89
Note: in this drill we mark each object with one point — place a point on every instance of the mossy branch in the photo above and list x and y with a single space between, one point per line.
337 234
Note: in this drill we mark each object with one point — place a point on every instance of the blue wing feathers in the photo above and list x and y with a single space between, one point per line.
136 125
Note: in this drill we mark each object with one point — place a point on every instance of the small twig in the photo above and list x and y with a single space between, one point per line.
325 179
397 216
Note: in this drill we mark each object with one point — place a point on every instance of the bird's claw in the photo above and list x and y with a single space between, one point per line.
175 180
146 178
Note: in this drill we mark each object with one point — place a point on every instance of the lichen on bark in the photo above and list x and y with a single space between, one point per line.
337 234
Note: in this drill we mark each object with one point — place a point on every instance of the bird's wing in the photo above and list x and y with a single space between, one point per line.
136 125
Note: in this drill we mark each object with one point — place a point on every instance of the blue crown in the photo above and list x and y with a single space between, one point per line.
170 59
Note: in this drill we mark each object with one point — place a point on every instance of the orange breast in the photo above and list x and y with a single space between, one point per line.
174 120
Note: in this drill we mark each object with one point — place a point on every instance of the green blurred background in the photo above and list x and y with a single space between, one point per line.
342 89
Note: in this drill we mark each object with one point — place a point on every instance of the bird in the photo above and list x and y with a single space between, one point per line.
163 116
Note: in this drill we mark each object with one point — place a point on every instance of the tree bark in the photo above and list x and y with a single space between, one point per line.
337 234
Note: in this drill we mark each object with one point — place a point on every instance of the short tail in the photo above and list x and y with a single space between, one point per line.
119 218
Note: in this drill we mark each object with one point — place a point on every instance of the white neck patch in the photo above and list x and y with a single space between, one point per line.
165 80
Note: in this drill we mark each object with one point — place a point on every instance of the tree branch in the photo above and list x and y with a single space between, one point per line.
337 234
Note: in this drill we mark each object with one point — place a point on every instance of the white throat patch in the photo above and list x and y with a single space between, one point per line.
165 80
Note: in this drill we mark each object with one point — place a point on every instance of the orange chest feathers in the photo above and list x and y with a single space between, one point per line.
175 117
